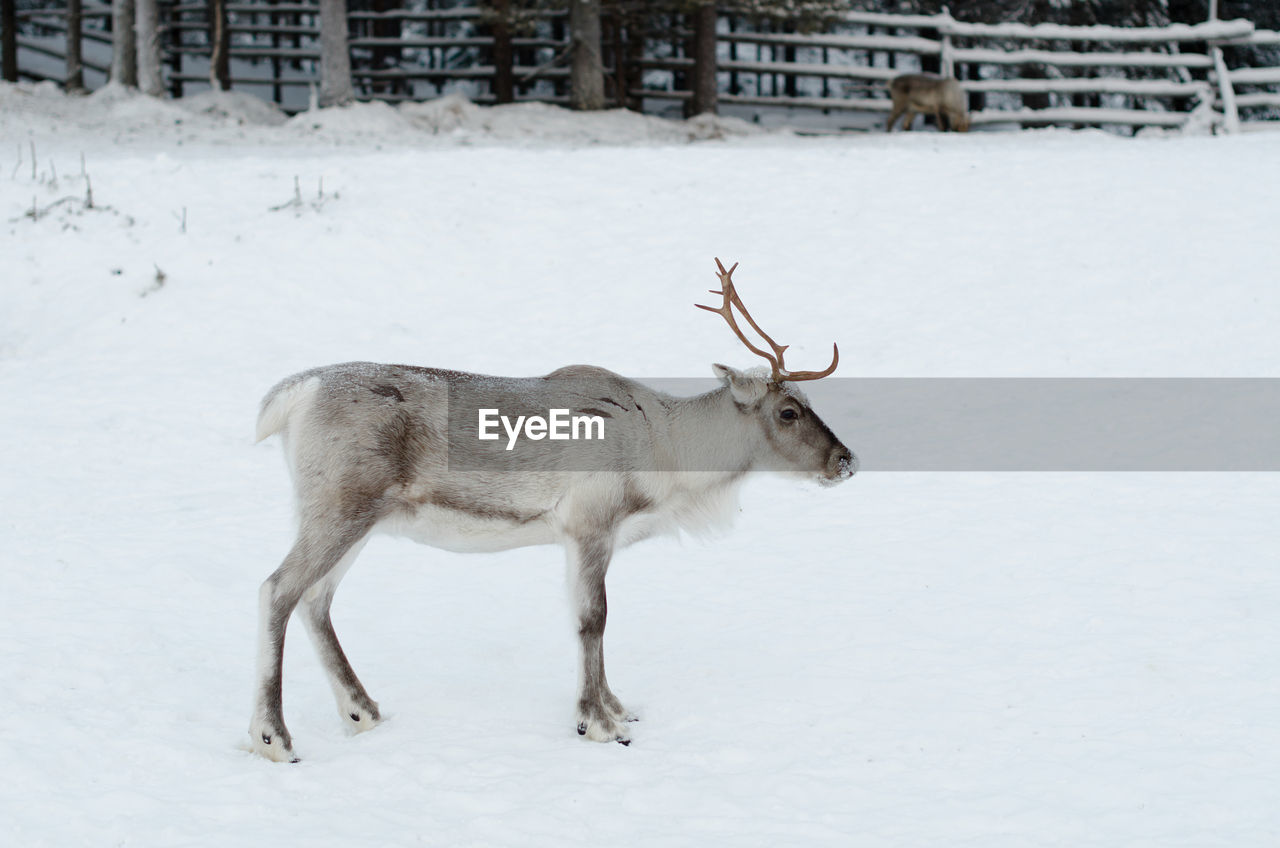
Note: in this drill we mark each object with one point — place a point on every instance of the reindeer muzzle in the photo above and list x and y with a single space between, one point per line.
841 465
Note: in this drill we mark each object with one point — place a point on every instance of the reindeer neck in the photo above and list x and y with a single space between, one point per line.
708 433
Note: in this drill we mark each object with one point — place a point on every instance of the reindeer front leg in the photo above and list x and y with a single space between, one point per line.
600 714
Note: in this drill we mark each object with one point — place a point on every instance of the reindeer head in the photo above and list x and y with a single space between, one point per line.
797 439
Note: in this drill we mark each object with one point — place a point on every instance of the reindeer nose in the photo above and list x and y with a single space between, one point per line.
842 463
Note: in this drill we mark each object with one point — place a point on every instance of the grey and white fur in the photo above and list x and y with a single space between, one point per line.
372 447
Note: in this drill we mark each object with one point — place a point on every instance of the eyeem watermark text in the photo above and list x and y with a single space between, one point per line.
559 425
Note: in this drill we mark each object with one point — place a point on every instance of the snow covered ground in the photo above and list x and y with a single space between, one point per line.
909 659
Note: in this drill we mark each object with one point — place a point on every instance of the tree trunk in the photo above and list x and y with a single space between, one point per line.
124 47
504 88
75 60
586 76
220 47
9 40
704 60
335 55
148 34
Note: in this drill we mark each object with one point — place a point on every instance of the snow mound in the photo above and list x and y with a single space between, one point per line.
357 121
127 107
20 93
443 115
544 123
707 127
236 107
127 115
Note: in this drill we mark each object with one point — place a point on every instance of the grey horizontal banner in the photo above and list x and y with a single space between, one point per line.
1056 424
891 424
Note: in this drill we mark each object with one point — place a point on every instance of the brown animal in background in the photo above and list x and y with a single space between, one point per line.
931 94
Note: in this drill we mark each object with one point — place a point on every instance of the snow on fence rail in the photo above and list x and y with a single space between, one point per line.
1014 73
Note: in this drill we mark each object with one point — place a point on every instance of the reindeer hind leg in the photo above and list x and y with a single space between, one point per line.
359 712
893 116
323 541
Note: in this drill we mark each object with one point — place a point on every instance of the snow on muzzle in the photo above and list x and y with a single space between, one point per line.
841 465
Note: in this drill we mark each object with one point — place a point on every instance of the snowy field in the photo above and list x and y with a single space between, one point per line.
928 659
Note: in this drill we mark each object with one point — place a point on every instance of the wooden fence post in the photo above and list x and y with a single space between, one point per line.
618 47
386 57
75 60
637 24
175 55
946 60
504 82
705 94
1230 114
9 37
277 64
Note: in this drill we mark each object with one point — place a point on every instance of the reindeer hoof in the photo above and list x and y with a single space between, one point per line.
603 729
274 745
360 714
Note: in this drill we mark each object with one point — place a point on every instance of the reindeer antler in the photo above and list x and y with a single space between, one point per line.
731 299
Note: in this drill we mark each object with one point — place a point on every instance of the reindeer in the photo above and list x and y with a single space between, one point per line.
929 93
396 448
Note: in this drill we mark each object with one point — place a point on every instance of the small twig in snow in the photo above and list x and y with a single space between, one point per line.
36 213
298 205
157 284
296 202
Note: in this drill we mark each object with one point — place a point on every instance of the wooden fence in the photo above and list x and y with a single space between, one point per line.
397 54
1014 73
1029 75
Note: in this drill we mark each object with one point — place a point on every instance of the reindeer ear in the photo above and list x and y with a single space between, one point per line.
724 373
745 389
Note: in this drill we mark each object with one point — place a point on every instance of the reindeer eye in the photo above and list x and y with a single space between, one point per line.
788 414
